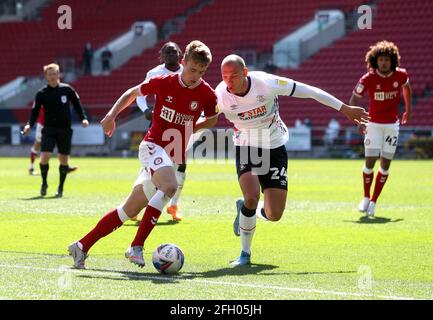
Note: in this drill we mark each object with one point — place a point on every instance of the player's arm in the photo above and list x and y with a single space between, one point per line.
108 122
205 123
407 96
355 100
34 114
353 113
210 114
78 108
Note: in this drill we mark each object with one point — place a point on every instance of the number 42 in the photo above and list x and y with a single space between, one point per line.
391 140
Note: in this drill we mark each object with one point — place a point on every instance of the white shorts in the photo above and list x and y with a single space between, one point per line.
152 157
381 139
38 135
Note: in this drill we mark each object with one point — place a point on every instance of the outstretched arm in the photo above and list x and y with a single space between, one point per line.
353 113
108 123
356 101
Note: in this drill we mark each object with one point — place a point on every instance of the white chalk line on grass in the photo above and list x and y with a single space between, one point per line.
219 283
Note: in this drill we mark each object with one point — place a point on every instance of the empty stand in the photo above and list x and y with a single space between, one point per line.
25 47
337 68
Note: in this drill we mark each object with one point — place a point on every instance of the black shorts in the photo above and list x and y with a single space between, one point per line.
271 170
59 137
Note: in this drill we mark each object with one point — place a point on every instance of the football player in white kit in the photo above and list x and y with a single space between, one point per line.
250 101
170 55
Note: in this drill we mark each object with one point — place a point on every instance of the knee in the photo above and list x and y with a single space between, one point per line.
385 165
251 200
274 215
169 189
131 210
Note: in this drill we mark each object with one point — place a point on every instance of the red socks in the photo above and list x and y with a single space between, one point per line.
105 226
380 182
150 218
368 181
33 157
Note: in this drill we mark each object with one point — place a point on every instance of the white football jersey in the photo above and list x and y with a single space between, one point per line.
256 116
159 70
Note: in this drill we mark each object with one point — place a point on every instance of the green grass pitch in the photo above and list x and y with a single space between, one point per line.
322 248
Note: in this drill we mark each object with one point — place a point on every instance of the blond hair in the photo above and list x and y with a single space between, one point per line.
51 66
199 52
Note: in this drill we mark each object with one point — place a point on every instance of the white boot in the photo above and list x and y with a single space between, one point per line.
371 208
363 205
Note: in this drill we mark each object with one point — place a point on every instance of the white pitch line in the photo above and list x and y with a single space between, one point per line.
219 283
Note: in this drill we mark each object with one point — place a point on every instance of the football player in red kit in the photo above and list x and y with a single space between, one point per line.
383 82
180 99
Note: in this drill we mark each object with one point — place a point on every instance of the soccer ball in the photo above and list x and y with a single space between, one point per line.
168 258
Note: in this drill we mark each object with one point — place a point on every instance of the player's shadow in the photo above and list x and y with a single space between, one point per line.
163 278
374 220
40 198
137 223
153 276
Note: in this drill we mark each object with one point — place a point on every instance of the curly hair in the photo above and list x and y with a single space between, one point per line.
383 48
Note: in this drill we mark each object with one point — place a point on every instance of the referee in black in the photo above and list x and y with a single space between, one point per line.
55 97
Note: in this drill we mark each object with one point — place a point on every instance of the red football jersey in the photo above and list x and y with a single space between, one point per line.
177 109
384 92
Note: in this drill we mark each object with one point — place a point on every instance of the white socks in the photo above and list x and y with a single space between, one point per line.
159 200
180 177
122 214
383 172
247 228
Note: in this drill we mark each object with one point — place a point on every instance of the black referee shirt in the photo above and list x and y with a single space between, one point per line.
56 106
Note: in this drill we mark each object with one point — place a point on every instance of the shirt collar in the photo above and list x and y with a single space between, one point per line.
190 87
383 75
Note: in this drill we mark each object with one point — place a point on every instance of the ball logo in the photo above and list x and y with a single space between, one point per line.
64 99
367 142
157 161
395 84
193 105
